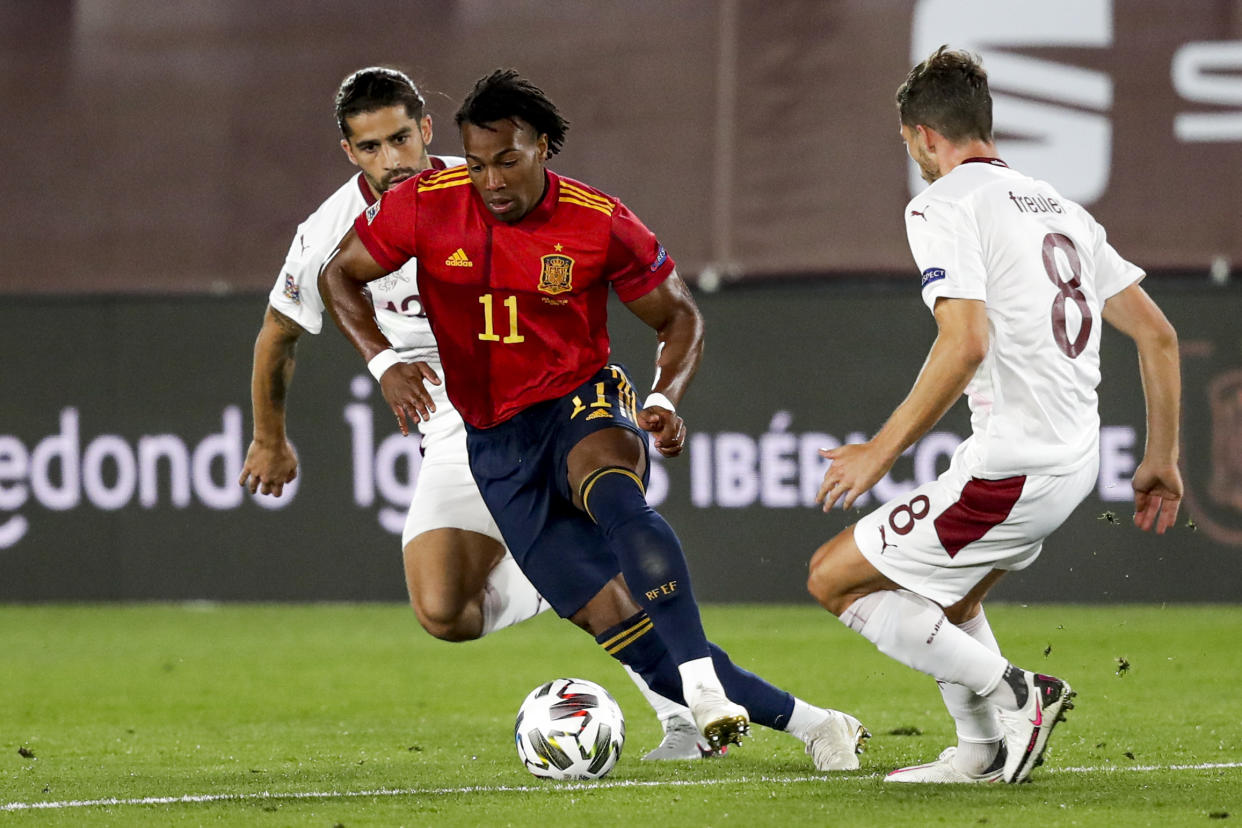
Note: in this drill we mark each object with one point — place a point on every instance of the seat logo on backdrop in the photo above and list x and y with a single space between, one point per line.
1051 118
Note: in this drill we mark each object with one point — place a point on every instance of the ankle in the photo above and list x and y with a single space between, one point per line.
977 758
1011 691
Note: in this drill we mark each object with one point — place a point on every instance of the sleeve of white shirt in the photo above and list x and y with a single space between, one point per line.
1113 274
296 292
944 240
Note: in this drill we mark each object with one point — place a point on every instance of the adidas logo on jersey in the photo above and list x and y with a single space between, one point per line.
459 259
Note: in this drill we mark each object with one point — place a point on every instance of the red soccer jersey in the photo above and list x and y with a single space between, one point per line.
519 310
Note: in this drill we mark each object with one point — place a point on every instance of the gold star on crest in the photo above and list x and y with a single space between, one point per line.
558 247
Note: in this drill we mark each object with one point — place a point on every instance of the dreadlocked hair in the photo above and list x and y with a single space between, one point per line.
504 94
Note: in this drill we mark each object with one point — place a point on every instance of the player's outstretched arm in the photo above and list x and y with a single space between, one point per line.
342 284
270 460
1157 482
961 344
670 310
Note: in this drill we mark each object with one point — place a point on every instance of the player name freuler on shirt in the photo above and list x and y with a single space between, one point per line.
1035 204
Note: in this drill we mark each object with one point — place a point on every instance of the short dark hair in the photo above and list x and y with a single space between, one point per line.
376 87
505 94
949 93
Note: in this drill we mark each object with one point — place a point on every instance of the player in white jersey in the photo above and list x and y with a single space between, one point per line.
1018 279
462 582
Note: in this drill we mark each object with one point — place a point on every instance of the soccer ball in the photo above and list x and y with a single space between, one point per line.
569 728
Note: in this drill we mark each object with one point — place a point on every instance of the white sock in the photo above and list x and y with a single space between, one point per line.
508 598
978 729
698 674
975 757
664 708
804 717
913 630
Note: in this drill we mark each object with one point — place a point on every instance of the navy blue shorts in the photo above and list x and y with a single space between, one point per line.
520 466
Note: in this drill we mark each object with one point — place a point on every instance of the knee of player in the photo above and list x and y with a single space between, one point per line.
612 495
820 581
443 620
963 610
612 605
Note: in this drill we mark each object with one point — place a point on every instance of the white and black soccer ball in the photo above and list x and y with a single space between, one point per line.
569 728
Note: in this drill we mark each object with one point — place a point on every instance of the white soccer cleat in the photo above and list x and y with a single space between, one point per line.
943 771
721 721
682 741
1027 730
834 743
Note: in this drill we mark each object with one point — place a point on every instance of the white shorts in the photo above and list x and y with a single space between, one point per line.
445 494
945 536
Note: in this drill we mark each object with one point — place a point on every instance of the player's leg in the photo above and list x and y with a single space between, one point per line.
832 738
606 470
980 743
905 626
462 583
979 755
601 467
446 573
941 541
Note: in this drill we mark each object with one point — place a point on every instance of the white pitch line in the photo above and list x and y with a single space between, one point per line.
551 787
1146 768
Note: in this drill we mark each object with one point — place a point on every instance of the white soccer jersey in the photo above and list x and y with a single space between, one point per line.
1044 268
398 309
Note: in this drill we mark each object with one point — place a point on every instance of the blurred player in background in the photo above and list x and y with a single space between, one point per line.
1018 279
515 265
462 582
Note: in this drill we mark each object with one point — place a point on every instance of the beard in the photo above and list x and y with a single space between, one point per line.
393 177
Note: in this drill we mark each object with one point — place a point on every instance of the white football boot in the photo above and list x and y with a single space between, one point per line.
721 721
943 771
834 743
1027 730
682 741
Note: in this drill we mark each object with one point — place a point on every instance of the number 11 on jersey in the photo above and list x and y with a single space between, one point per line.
489 330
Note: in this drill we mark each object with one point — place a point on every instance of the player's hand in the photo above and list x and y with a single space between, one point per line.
268 467
855 469
403 388
668 428
1157 496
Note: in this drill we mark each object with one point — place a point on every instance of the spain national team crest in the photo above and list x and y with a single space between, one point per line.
557 275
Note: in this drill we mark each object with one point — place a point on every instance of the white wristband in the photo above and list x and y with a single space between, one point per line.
656 398
381 362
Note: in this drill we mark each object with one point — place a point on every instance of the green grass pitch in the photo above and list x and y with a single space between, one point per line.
351 715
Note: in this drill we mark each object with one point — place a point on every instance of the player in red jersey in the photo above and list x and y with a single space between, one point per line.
515 266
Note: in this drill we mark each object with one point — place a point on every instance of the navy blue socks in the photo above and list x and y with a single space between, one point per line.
651 558
635 643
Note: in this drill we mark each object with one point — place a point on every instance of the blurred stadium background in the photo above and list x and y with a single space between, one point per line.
158 157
